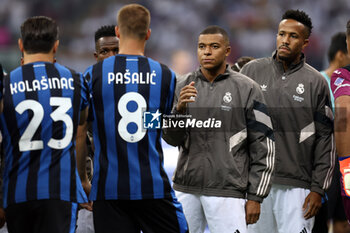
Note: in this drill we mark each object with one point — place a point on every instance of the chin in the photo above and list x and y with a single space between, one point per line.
283 57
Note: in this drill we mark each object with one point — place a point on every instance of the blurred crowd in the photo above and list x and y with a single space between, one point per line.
252 25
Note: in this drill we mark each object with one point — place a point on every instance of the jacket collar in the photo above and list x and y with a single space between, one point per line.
293 68
220 77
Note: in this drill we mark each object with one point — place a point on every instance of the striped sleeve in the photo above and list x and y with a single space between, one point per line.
261 143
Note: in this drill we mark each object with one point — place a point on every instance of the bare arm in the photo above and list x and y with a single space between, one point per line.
342 126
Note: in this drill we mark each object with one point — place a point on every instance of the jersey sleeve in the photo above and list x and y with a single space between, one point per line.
84 93
171 94
88 77
340 83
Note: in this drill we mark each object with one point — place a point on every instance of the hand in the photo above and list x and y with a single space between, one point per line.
2 217
87 205
252 211
312 204
187 95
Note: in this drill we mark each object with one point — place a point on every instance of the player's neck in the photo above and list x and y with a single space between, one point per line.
211 75
332 67
132 47
44 57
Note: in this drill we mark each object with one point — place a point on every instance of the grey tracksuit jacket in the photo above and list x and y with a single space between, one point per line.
299 104
234 160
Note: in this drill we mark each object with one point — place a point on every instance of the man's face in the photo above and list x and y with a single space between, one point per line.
291 40
212 51
106 47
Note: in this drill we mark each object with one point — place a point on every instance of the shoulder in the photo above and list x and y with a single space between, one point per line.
256 67
258 63
164 68
340 81
62 68
242 80
311 72
341 74
16 71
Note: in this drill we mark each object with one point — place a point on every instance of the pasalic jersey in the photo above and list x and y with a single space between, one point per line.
41 109
128 95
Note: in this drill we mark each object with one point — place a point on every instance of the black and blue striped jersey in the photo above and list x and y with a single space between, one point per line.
42 104
126 91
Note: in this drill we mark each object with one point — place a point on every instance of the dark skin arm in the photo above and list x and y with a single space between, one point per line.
312 205
252 211
81 153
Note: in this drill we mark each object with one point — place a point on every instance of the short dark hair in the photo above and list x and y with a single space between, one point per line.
213 29
39 34
338 43
301 17
104 31
348 28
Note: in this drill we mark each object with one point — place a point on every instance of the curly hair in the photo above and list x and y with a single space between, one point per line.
104 31
301 17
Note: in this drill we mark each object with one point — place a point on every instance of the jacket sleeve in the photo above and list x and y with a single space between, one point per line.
261 143
324 153
174 136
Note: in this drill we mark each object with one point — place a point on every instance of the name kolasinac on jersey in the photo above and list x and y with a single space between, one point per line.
43 84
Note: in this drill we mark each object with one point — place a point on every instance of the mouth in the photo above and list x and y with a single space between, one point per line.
207 60
283 48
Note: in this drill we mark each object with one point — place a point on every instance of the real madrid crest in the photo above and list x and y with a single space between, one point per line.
300 89
227 97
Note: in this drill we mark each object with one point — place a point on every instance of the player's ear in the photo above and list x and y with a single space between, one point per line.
95 55
20 45
339 55
55 46
228 51
148 34
117 33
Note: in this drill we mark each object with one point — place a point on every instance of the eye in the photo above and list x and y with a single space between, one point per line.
216 46
103 52
280 34
201 46
294 36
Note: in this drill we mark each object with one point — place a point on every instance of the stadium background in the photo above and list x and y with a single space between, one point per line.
252 26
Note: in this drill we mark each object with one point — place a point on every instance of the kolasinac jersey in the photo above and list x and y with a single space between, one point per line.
42 103
128 95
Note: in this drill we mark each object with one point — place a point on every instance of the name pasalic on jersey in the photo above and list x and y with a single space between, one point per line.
131 78
43 84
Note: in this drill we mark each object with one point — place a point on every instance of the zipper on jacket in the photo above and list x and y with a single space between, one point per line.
284 76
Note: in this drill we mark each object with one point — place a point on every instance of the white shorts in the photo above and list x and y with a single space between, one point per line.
282 212
222 214
85 222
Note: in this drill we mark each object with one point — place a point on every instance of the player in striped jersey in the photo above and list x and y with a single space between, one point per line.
106 45
130 189
43 102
